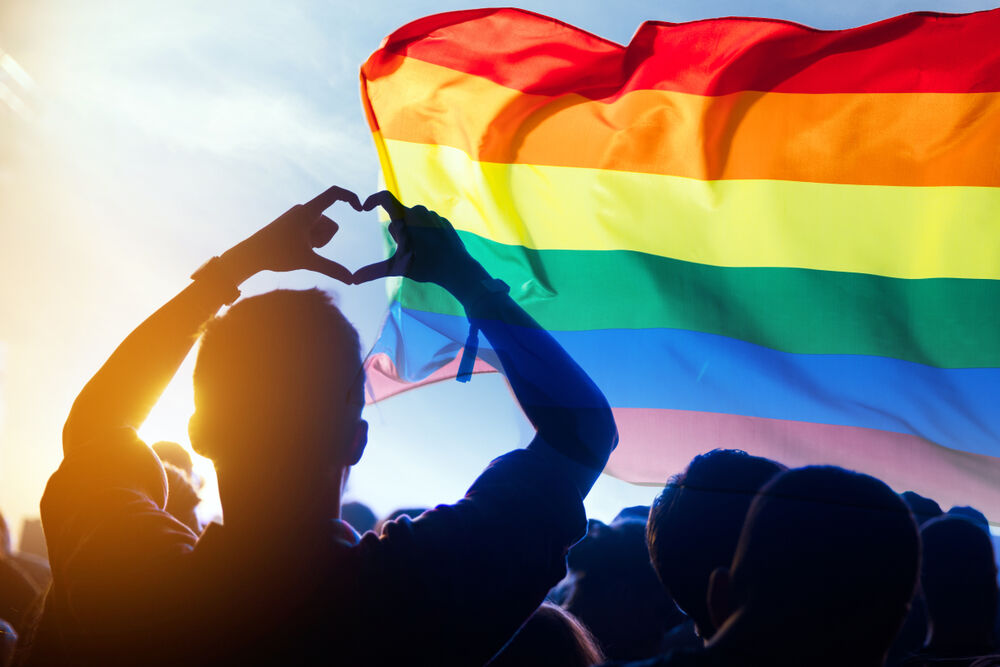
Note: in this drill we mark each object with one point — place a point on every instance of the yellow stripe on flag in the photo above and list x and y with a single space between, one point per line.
902 232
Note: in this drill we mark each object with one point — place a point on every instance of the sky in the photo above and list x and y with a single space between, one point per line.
139 138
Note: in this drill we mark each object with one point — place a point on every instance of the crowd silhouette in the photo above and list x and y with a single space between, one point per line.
740 561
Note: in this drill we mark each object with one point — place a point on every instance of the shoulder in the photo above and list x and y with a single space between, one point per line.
104 518
118 459
518 497
532 489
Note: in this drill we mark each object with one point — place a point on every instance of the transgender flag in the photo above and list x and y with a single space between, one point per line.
750 233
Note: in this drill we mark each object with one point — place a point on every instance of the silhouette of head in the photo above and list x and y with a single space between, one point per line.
972 514
360 516
175 454
924 509
695 523
825 554
182 497
551 637
612 588
408 512
278 384
959 581
633 513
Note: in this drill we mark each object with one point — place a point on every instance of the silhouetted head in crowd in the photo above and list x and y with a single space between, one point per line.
613 590
551 637
360 516
182 497
278 392
824 572
695 523
972 514
409 512
924 509
175 454
633 513
959 581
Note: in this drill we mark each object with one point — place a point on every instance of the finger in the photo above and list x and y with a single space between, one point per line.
388 202
330 268
332 195
321 233
383 269
396 232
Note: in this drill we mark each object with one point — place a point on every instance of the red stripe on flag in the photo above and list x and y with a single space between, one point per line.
917 52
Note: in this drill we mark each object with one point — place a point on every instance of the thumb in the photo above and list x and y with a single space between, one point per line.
374 271
328 267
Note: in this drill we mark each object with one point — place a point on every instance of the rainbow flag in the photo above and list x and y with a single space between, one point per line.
750 233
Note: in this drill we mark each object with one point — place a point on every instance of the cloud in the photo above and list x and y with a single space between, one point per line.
256 84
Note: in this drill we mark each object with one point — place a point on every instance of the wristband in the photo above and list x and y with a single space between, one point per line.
490 286
214 273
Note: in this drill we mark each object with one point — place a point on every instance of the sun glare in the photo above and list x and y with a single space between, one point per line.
168 421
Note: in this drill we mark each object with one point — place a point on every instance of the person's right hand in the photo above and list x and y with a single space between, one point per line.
427 247
288 243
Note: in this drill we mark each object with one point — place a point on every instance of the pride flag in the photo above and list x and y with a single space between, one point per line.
750 233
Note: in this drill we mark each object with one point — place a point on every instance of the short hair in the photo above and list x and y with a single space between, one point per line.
278 374
924 509
613 589
550 636
829 553
971 514
958 574
695 523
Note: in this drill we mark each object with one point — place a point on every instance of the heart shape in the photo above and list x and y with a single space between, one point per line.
325 228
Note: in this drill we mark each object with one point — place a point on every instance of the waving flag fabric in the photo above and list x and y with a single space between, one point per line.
750 233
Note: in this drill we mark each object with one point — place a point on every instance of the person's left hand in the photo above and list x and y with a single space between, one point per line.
288 243
427 248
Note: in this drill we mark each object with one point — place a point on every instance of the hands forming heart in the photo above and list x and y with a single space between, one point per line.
427 247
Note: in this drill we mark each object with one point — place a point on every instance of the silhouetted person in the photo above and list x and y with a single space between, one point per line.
552 637
182 497
612 589
174 453
695 523
278 396
912 635
395 515
959 582
17 594
636 512
360 516
823 574
34 567
924 509
973 515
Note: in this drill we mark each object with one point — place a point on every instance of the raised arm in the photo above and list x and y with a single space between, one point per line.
127 386
572 418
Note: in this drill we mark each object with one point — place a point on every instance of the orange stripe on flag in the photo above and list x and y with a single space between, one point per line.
919 139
